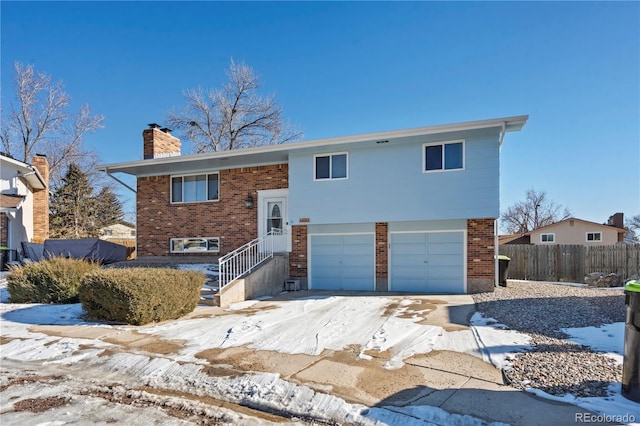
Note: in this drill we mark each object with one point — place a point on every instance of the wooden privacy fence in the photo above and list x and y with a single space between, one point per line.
570 263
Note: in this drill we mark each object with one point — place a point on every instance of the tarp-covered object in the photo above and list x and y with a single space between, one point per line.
95 249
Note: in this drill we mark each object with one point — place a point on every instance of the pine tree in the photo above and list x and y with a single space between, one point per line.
73 207
109 208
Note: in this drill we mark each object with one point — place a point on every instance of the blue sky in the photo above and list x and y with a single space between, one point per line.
343 68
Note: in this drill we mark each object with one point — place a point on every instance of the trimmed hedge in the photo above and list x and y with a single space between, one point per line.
50 281
139 296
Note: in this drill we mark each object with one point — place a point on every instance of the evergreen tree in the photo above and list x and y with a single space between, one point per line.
109 208
73 207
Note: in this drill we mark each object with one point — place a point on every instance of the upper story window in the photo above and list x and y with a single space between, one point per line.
330 166
547 238
195 188
594 236
443 156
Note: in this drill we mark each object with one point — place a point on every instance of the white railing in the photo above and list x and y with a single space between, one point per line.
242 260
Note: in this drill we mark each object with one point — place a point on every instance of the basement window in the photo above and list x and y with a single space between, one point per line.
195 245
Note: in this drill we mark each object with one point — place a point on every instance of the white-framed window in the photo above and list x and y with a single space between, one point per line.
195 188
195 245
443 156
331 166
594 236
547 238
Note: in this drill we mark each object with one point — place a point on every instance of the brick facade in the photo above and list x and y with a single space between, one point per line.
298 255
4 230
41 202
158 220
159 143
480 255
382 256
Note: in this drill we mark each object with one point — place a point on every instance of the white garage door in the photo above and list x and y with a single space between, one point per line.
427 262
342 262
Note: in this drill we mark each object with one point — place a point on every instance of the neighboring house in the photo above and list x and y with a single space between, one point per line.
24 202
119 231
408 210
574 231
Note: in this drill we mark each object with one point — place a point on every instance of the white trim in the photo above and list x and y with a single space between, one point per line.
514 123
266 194
330 155
586 236
309 255
548 242
439 231
443 143
206 175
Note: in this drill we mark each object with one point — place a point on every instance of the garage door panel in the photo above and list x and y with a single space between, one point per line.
356 250
342 262
427 262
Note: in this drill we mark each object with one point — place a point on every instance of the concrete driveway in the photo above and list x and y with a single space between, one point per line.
390 350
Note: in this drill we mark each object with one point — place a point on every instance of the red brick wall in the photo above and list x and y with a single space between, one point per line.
41 202
382 249
298 255
157 143
480 249
158 220
4 230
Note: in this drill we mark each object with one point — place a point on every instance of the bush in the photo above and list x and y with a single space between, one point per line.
51 281
140 295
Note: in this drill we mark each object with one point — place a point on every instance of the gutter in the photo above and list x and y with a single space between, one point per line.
106 170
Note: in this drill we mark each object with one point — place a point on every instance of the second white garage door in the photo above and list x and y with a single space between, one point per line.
427 262
342 262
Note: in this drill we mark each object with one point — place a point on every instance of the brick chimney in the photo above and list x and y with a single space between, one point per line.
41 201
159 143
616 220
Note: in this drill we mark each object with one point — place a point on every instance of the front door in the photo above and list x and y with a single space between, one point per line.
273 217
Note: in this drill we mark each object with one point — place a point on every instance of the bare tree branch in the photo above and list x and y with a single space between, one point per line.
38 121
233 117
534 212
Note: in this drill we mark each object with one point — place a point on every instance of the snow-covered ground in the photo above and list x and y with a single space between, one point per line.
299 326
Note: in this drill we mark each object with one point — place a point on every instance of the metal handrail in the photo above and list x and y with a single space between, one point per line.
242 260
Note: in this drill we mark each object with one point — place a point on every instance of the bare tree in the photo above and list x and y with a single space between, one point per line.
534 212
38 121
233 117
633 226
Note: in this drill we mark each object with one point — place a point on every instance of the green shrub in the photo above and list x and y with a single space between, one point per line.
50 281
140 295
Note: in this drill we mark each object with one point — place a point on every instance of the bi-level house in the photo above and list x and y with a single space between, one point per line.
409 210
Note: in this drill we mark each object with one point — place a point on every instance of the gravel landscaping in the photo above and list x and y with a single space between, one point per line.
557 366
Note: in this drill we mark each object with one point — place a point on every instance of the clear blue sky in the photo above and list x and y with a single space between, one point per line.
347 68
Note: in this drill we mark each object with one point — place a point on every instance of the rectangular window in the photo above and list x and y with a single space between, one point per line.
547 238
195 188
443 156
594 236
330 166
195 245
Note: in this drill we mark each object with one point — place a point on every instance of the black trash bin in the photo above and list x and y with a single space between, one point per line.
503 265
4 258
631 363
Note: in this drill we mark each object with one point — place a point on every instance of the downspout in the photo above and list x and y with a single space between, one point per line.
106 170
496 249
502 133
